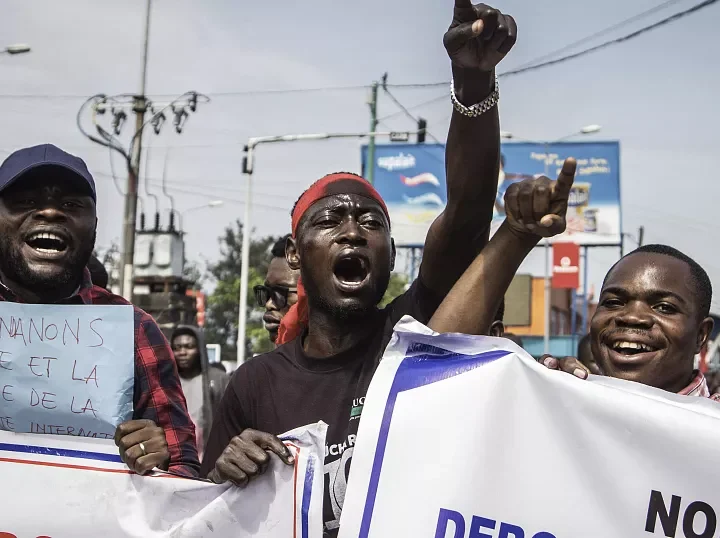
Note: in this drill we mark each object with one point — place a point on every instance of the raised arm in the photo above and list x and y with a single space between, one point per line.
478 39
535 209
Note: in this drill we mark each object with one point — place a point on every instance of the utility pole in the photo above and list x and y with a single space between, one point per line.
370 172
140 105
131 194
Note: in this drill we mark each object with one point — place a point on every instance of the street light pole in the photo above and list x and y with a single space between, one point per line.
248 169
548 271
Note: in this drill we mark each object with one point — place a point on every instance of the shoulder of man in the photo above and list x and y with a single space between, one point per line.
256 369
417 301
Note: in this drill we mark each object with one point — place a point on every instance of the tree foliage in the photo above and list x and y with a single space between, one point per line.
222 308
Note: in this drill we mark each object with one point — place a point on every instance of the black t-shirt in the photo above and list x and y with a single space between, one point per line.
285 389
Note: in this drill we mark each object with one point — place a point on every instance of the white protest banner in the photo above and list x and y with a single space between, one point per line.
70 487
468 437
66 369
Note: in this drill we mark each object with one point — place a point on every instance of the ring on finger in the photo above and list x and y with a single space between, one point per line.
142 447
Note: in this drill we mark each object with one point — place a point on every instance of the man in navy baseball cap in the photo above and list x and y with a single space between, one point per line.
47 235
50 158
47 222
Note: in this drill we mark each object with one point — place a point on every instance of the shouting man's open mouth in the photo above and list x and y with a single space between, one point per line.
351 271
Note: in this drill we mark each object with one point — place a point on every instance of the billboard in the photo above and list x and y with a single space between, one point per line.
594 205
411 180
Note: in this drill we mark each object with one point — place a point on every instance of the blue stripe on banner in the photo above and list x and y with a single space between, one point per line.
307 495
412 373
61 452
307 491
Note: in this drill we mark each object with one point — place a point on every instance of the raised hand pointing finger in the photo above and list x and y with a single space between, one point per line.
479 36
561 188
554 221
538 206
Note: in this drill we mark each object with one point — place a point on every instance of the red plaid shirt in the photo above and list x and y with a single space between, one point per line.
699 387
158 395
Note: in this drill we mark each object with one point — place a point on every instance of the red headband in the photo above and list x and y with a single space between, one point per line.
294 322
342 183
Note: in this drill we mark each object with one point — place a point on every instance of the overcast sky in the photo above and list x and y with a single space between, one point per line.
657 94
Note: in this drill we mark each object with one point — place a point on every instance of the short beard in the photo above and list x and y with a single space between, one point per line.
14 267
351 313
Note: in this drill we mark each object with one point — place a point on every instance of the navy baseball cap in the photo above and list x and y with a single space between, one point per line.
24 160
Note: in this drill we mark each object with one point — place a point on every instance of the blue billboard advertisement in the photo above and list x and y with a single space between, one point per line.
411 180
594 206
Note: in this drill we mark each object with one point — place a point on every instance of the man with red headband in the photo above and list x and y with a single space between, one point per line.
332 340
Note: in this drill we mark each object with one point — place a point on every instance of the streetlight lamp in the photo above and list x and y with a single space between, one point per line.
507 135
18 48
209 205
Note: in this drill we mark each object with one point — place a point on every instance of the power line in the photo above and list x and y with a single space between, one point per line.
600 33
406 111
442 97
239 93
183 187
522 69
632 35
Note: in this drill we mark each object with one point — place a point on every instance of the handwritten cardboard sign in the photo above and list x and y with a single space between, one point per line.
66 369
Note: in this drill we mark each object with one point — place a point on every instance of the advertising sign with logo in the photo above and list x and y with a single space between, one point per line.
594 206
566 266
411 179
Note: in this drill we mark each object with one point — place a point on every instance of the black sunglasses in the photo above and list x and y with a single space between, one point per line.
278 294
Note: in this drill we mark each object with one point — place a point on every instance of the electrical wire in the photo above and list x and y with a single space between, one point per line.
176 101
601 33
632 35
439 98
239 93
562 59
182 187
407 112
521 69
114 175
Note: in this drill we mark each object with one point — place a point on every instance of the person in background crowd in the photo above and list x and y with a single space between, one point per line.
202 384
98 273
713 381
332 340
48 223
279 292
653 317
585 355
497 328
514 338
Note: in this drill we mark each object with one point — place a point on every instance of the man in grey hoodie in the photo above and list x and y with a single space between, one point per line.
203 385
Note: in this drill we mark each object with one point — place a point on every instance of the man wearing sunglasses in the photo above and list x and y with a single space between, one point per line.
279 292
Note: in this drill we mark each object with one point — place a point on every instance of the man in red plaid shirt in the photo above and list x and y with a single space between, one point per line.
47 234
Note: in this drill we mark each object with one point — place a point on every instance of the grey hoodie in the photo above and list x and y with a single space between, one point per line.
214 381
